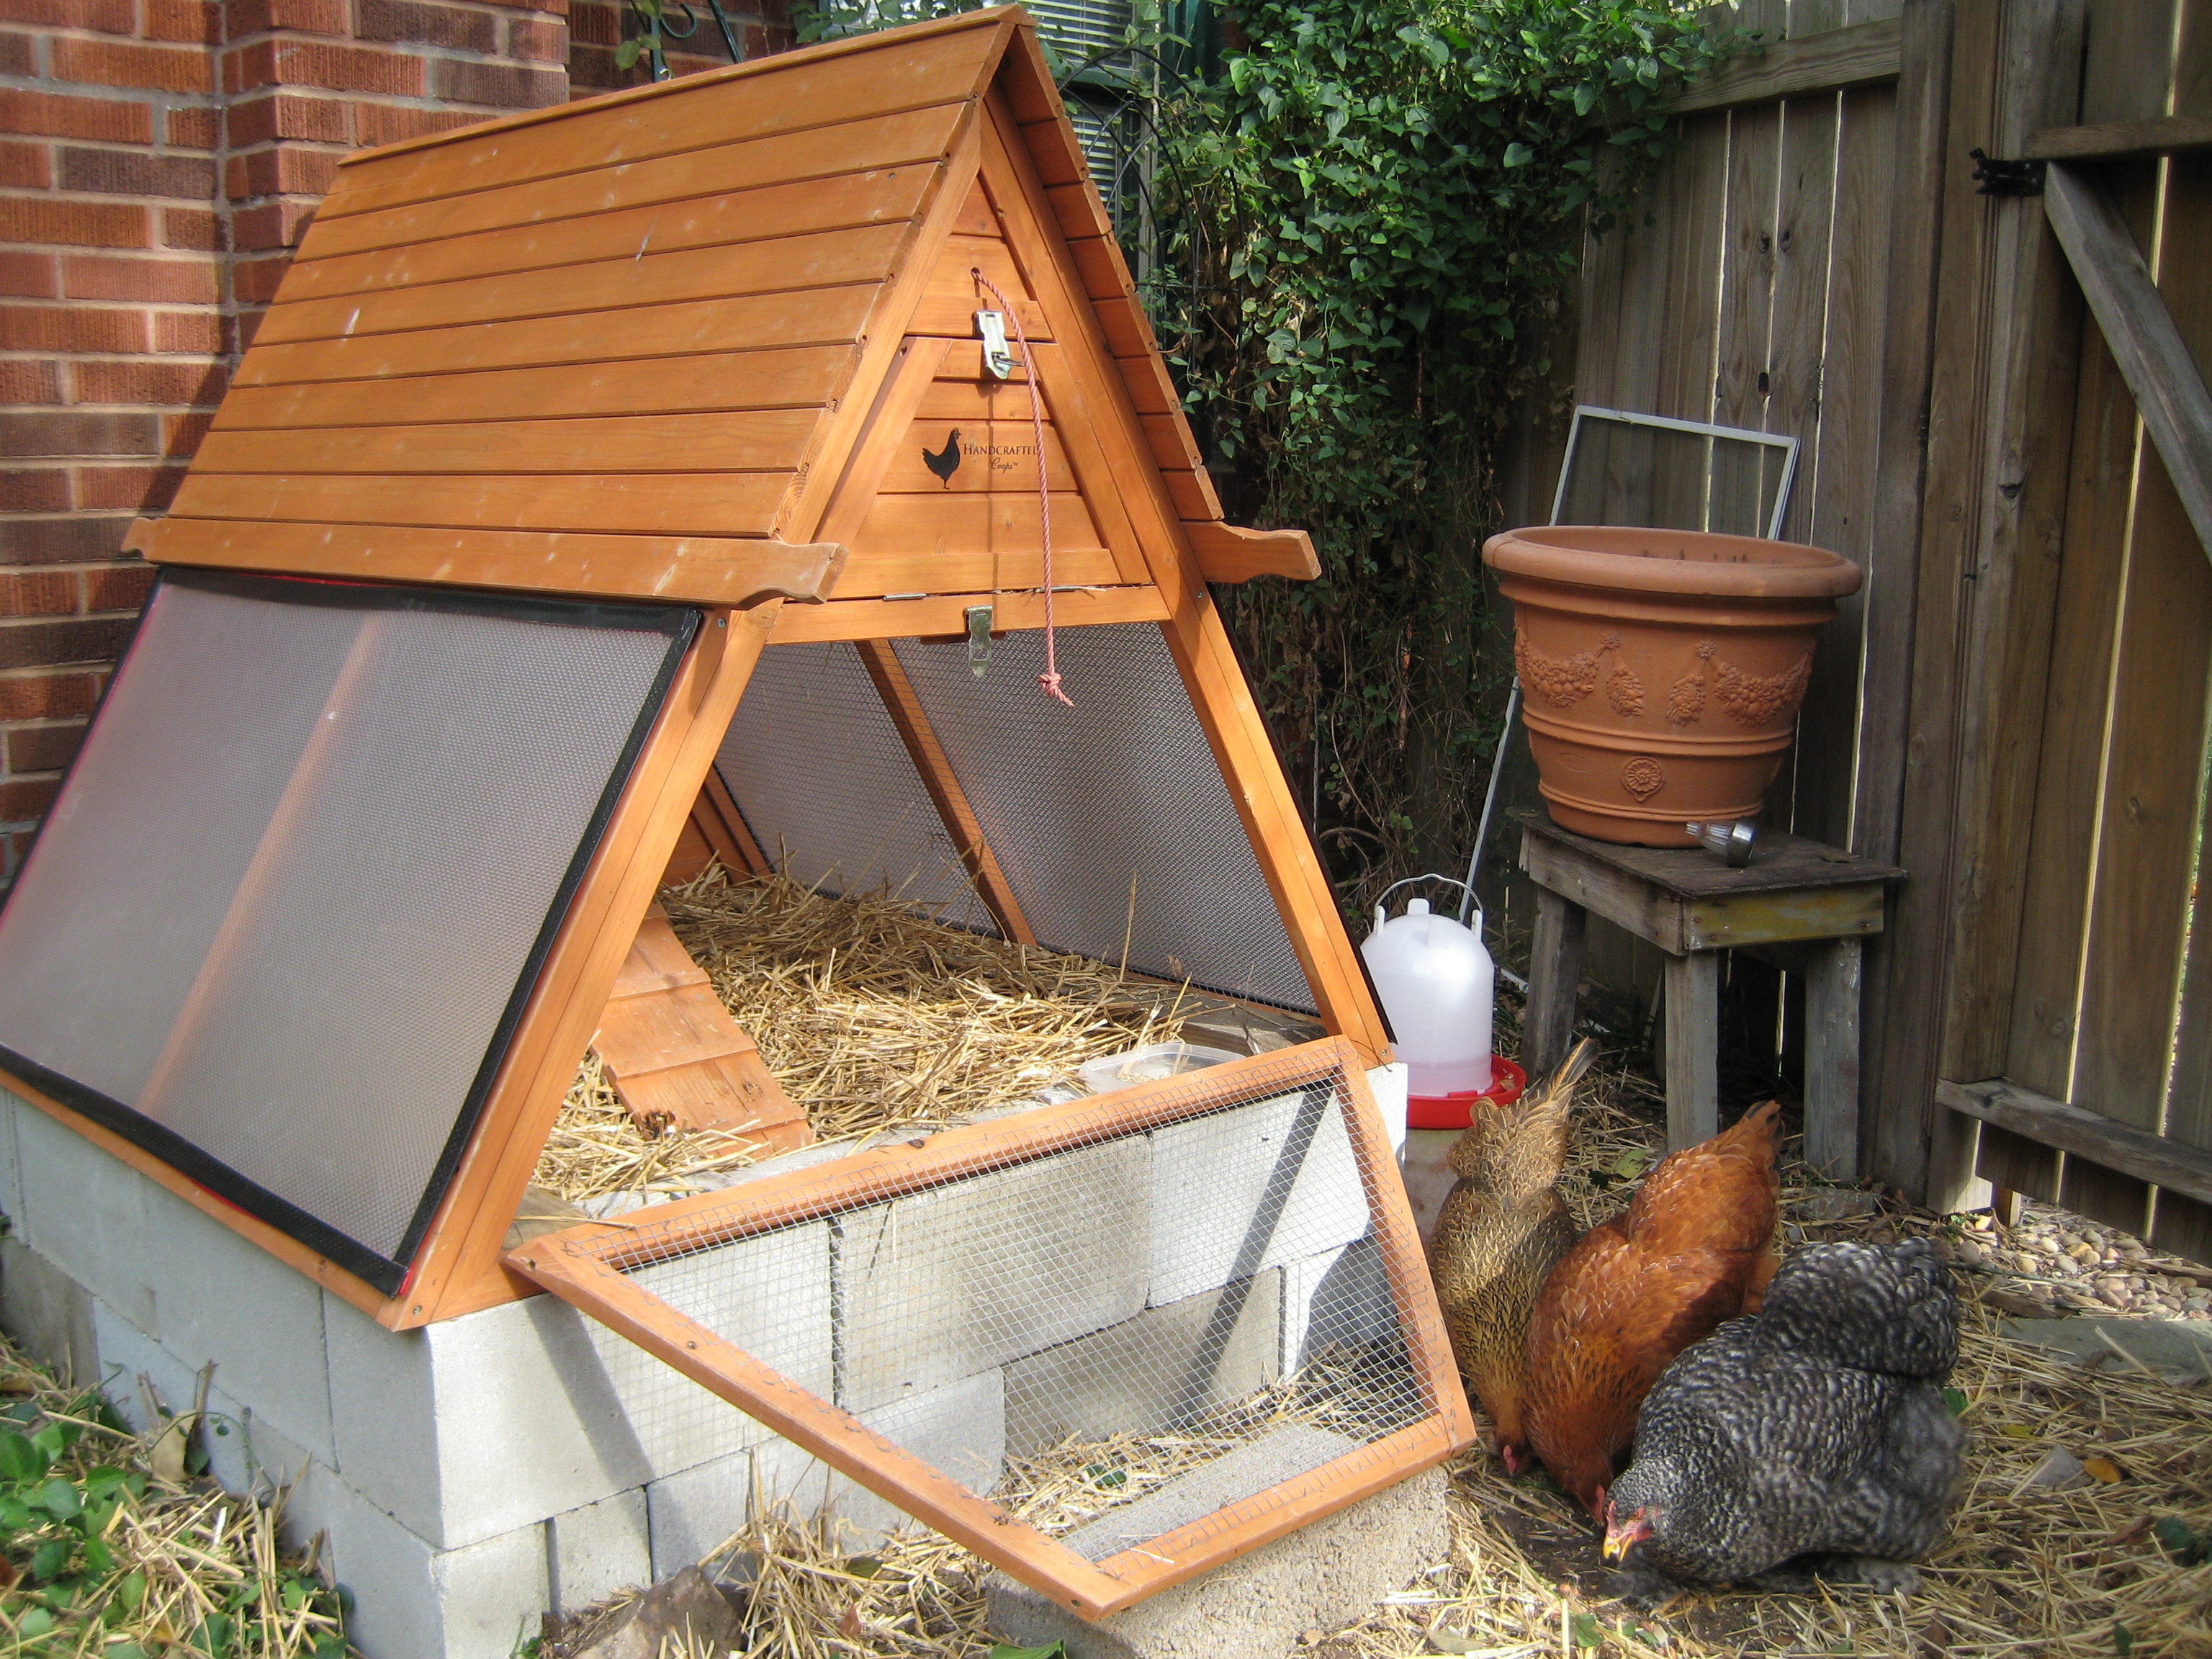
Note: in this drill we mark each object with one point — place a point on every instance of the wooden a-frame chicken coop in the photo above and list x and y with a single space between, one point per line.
634 481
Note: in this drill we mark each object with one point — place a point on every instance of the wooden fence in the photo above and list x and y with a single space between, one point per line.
2015 707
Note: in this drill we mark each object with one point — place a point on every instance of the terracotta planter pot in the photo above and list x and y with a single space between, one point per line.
1661 670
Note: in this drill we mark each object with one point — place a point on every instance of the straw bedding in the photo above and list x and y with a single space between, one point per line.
2105 1569
184 1567
871 1015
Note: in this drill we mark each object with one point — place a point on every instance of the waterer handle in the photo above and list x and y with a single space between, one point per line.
1382 912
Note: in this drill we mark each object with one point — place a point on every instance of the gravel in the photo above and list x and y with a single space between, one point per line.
2066 1264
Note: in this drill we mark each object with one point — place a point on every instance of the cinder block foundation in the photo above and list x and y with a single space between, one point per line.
473 1474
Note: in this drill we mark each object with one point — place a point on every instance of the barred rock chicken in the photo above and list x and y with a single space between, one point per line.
1502 1229
1693 1248
1815 1434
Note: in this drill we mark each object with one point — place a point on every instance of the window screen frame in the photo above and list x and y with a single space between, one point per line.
588 1267
679 625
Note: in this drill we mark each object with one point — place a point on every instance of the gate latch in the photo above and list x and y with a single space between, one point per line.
979 637
1994 177
992 326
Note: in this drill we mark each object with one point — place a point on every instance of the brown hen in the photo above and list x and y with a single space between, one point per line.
1695 1246
1502 1228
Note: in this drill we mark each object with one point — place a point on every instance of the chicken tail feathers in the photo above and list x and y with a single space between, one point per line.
1872 1308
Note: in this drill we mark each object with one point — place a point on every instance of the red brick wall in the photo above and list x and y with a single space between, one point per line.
597 27
159 160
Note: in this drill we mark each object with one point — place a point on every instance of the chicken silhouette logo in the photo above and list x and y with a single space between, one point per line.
947 462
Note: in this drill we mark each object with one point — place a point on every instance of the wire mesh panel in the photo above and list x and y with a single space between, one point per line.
1106 1345
1110 819
315 845
825 785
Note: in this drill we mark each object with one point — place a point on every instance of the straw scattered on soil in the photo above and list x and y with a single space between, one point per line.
872 1016
111 1548
2101 1569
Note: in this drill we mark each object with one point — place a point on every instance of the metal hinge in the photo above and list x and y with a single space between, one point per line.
2001 178
997 358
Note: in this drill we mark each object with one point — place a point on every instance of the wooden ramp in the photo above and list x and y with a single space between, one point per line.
674 1056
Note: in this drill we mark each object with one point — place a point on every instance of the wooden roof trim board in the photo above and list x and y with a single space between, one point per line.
698 570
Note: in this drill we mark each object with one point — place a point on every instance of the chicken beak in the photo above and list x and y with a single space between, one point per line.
1621 1536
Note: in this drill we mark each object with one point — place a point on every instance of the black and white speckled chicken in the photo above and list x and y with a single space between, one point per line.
1812 1440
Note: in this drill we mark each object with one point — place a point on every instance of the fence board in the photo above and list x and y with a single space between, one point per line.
1745 317
2047 988
2157 740
1838 501
2125 51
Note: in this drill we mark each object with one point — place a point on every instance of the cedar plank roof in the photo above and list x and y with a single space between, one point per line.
616 337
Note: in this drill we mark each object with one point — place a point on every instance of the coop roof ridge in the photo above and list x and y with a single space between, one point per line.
1008 18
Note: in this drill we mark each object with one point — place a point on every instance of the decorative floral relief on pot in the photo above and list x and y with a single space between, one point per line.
1643 777
1686 700
1756 700
1563 682
1624 691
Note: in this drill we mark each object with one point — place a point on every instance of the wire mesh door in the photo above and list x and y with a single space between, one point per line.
1105 1344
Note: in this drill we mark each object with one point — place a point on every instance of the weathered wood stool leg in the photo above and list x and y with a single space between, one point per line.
1555 975
1693 1042
1831 1060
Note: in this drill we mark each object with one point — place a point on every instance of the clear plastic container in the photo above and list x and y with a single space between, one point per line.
1148 1065
1436 982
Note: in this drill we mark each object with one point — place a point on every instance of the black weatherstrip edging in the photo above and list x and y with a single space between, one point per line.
388 1275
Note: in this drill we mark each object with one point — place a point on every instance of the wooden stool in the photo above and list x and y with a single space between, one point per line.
1798 904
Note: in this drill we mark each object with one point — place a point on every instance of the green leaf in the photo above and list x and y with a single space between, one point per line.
52 1559
626 54
2124 1639
131 1592
1954 1401
21 1461
61 1500
213 1637
1585 1630
2180 1540
35 1623
1008 1650
98 1559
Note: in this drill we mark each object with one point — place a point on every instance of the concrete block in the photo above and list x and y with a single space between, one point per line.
466 1428
598 1550
48 1313
1322 1577
771 1296
413 1600
85 1212
11 1169
1423 1165
960 1429
221 1299
1240 1191
1388 1084
1282 1454
692 1515
1336 1301
951 1283
141 1378
1148 1373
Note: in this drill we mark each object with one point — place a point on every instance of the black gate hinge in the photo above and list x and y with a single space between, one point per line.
2001 178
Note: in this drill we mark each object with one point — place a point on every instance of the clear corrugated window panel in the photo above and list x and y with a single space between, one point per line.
825 784
1111 819
296 883
1112 1340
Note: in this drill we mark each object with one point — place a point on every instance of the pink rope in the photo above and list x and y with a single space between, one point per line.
1050 678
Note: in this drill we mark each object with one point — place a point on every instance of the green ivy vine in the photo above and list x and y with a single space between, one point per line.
1374 210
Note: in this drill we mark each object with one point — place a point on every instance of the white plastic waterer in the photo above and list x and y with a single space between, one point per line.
1436 981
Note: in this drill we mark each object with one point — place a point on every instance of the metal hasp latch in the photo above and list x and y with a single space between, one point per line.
2001 178
997 357
979 639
